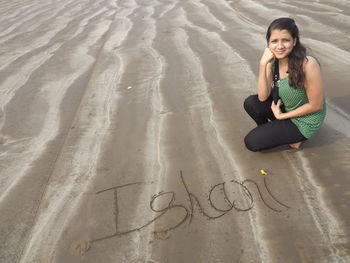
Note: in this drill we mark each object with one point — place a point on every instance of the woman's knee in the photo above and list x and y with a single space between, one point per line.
251 142
250 102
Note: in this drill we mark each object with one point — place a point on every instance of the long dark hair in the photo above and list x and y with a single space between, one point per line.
297 56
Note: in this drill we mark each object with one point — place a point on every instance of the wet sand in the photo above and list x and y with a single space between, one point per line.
121 135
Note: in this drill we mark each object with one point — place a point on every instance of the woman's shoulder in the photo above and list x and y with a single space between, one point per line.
311 67
311 62
312 59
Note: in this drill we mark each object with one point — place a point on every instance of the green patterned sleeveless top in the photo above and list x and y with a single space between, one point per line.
308 124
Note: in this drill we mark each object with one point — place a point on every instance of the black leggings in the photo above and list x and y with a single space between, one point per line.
270 132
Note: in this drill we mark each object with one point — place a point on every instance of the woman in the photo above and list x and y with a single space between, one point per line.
301 109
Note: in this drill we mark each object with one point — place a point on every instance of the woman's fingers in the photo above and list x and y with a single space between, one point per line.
267 56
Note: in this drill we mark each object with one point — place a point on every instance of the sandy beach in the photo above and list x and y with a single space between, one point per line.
122 126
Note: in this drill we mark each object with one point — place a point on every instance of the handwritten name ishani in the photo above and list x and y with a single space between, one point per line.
193 200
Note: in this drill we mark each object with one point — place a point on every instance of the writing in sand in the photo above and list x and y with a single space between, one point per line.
245 204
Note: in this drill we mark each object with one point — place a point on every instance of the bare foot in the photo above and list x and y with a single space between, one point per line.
295 145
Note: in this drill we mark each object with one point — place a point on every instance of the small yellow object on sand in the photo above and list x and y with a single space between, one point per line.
263 172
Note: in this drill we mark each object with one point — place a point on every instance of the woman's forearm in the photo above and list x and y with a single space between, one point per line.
307 108
263 85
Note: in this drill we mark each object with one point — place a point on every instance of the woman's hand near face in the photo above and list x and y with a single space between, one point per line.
267 56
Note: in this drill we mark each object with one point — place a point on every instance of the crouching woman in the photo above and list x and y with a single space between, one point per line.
300 109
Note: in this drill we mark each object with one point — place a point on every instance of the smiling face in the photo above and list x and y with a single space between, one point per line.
281 43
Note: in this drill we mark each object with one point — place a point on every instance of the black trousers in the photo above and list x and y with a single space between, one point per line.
270 132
